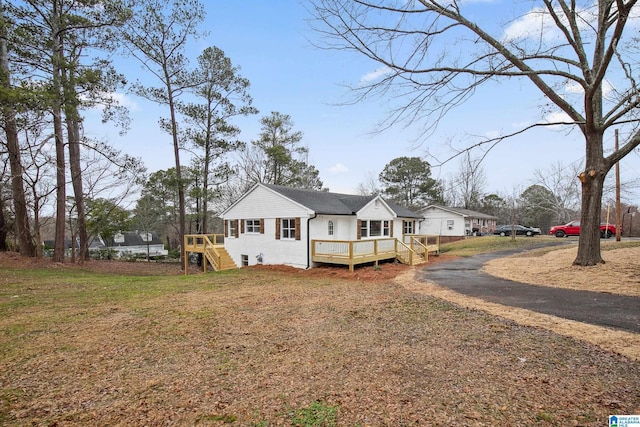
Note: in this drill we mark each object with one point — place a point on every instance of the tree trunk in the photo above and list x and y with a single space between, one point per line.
176 154
3 228
23 231
61 194
76 176
592 180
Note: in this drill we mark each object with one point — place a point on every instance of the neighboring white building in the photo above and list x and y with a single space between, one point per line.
272 224
131 243
455 222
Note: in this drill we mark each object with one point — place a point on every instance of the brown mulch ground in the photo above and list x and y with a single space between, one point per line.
365 272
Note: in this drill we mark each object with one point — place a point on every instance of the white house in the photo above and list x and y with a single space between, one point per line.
455 222
272 224
137 244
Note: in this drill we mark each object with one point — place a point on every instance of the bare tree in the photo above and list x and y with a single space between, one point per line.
561 184
580 56
370 186
466 187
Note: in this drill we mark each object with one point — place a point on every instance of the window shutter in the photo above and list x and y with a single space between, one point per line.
359 232
261 225
277 228
297 228
391 228
226 228
237 230
242 226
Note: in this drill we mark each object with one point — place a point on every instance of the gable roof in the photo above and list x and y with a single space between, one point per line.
324 202
461 211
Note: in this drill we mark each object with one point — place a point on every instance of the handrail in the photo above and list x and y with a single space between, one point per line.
408 250
422 248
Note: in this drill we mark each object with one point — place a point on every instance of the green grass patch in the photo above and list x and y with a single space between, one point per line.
483 244
318 414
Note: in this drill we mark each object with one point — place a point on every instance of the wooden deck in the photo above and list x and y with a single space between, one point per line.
412 250
212 248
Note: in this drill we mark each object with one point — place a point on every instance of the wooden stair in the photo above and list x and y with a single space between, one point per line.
219 258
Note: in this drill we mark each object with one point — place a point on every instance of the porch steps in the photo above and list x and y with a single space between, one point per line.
220 259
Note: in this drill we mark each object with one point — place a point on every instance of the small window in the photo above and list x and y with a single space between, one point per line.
288 228
245 260
364 229
330 228
450 224
385 228
408 227
252 225
232 228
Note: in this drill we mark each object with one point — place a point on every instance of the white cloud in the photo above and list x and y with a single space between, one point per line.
119 99
575 89
375 75
126 101
538 24
557 117
338 169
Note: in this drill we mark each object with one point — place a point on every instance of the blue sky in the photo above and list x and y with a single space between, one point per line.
271 43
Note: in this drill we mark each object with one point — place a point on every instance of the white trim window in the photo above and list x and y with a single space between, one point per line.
232 228
408 227
288 228
374 228
330 228
252 226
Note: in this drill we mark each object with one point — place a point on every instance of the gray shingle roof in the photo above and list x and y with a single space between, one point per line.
462 211
324 202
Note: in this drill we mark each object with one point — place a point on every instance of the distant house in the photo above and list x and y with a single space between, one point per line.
137 244
126 243
272 224
455 222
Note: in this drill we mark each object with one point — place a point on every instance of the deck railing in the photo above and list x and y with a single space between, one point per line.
206 244
352 252
197 241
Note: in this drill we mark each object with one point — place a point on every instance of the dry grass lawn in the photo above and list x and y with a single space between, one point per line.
276 347
620 274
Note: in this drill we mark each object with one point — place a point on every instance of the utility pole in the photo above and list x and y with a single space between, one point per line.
618 220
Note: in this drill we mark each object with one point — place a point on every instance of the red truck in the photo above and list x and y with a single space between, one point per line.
573 229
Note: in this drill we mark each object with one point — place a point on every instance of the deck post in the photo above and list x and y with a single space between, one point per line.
351 256
186 257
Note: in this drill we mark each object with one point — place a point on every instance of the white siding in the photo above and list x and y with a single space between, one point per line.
268 248
376 209
344 227
262 203
436 222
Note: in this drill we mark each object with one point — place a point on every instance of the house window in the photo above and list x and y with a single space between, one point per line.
232 228
330 228
252 225
245 260
364 229
288 228
375 228
407 227
449 224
